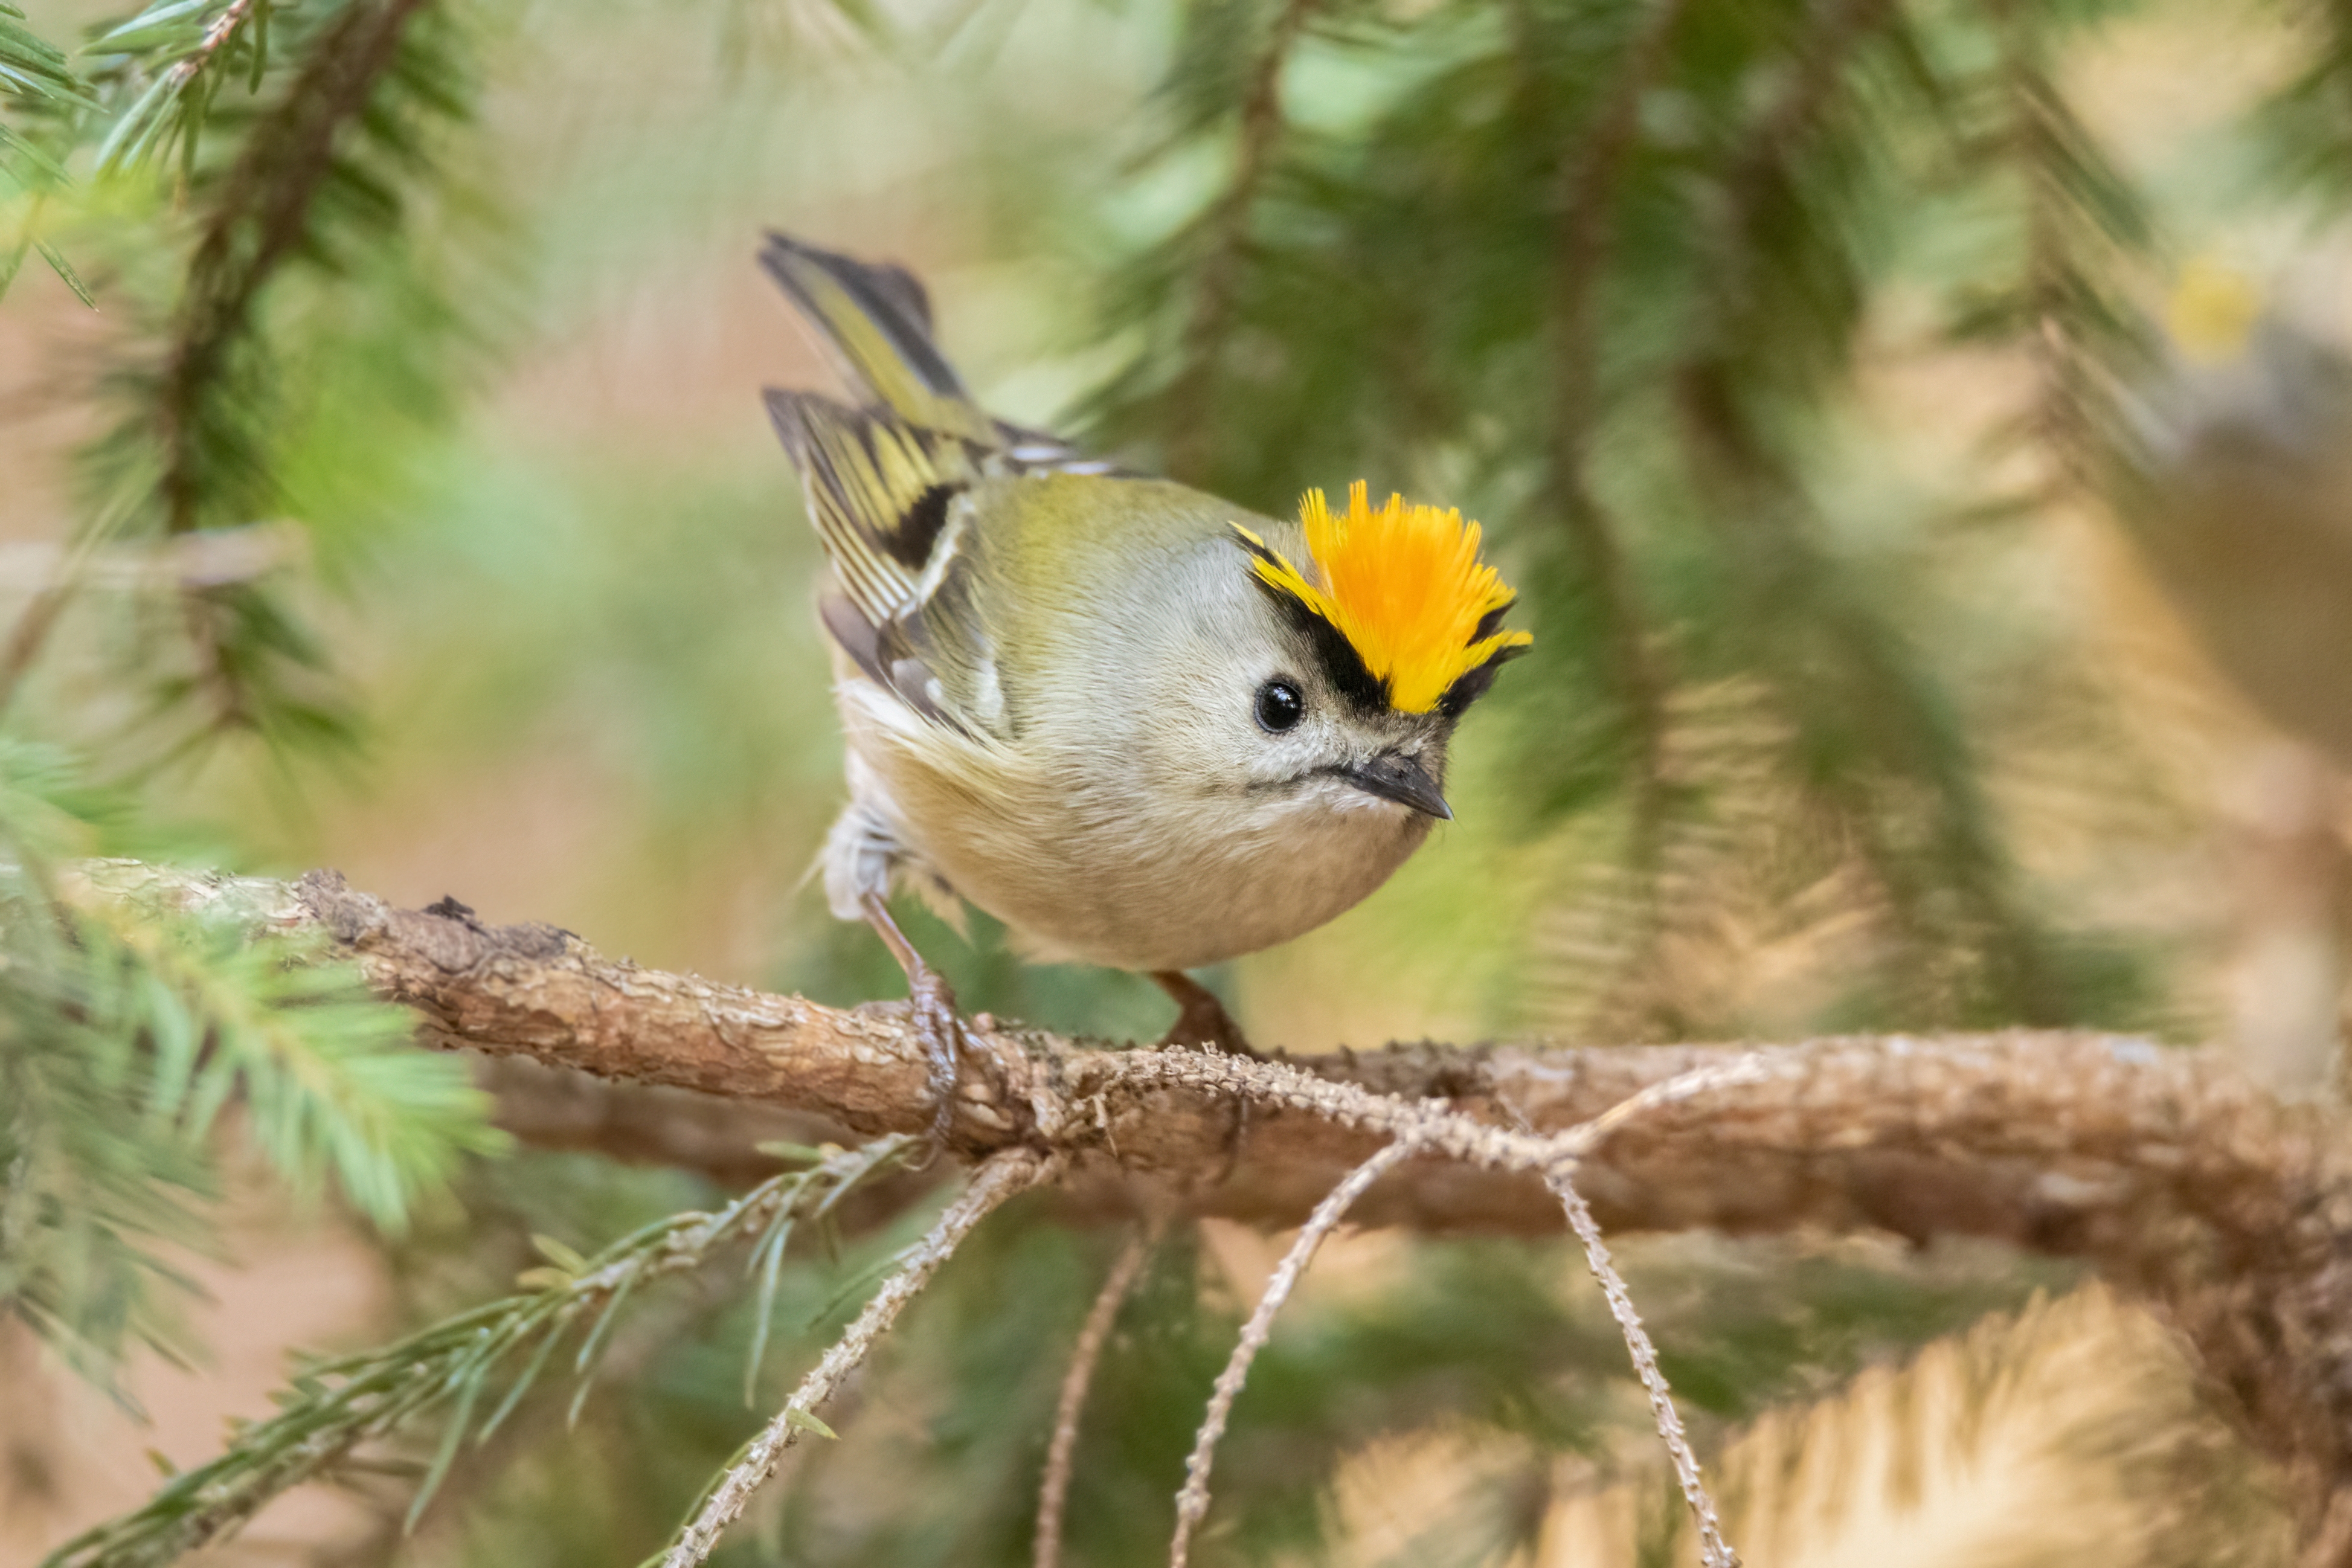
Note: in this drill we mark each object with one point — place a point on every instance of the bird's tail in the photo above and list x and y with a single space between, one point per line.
875 323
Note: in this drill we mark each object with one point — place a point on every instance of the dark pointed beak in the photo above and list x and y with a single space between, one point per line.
1401 779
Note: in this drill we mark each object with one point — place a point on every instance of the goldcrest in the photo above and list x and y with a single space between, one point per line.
1141 726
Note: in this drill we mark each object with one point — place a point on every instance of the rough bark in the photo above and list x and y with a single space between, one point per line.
2163 1168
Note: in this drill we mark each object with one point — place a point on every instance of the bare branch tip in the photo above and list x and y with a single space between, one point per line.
1001 1177
1061 1454
1192 1501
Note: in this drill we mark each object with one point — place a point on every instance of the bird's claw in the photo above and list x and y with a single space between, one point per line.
931 1013
931 1008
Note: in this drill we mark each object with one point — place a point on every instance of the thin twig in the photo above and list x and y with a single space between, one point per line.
1053 1491
1192 1502
1712 1078
1007 1174
224 25
1436 1127
1713 1549
1744 1069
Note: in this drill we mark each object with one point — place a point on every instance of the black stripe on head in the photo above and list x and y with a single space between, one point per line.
1258 549
1342 666
1471 685
909 542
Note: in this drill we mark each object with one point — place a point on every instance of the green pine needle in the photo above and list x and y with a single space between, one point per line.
340 1404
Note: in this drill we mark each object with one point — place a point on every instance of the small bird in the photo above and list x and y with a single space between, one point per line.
1141 726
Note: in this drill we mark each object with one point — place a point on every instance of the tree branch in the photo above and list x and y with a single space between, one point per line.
2164 1169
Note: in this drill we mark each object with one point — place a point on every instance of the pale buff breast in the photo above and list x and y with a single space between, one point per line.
1083 870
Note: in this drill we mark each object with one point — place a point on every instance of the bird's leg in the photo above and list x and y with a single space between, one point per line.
1200 1019
931 1007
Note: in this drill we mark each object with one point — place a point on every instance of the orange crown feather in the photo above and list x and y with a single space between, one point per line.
1404 586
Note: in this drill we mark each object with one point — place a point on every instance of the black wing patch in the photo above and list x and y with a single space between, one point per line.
879 491
909 542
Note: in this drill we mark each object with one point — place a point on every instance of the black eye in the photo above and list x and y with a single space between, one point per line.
1279 706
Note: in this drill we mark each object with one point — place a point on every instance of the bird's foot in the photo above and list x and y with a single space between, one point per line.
1200 1019
931 1007
932 1012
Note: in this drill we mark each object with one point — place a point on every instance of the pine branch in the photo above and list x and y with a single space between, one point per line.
37 82
2084 224
1904 782
312 1057
2072 419
122 1039
319 175
33 70
1754 189
342 1404
1585 196
171 111
2306 125
2165 1169
456 1360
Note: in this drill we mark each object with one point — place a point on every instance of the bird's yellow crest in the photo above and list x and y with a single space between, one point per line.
1404 586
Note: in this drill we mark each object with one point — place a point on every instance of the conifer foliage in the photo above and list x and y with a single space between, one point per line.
237 146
